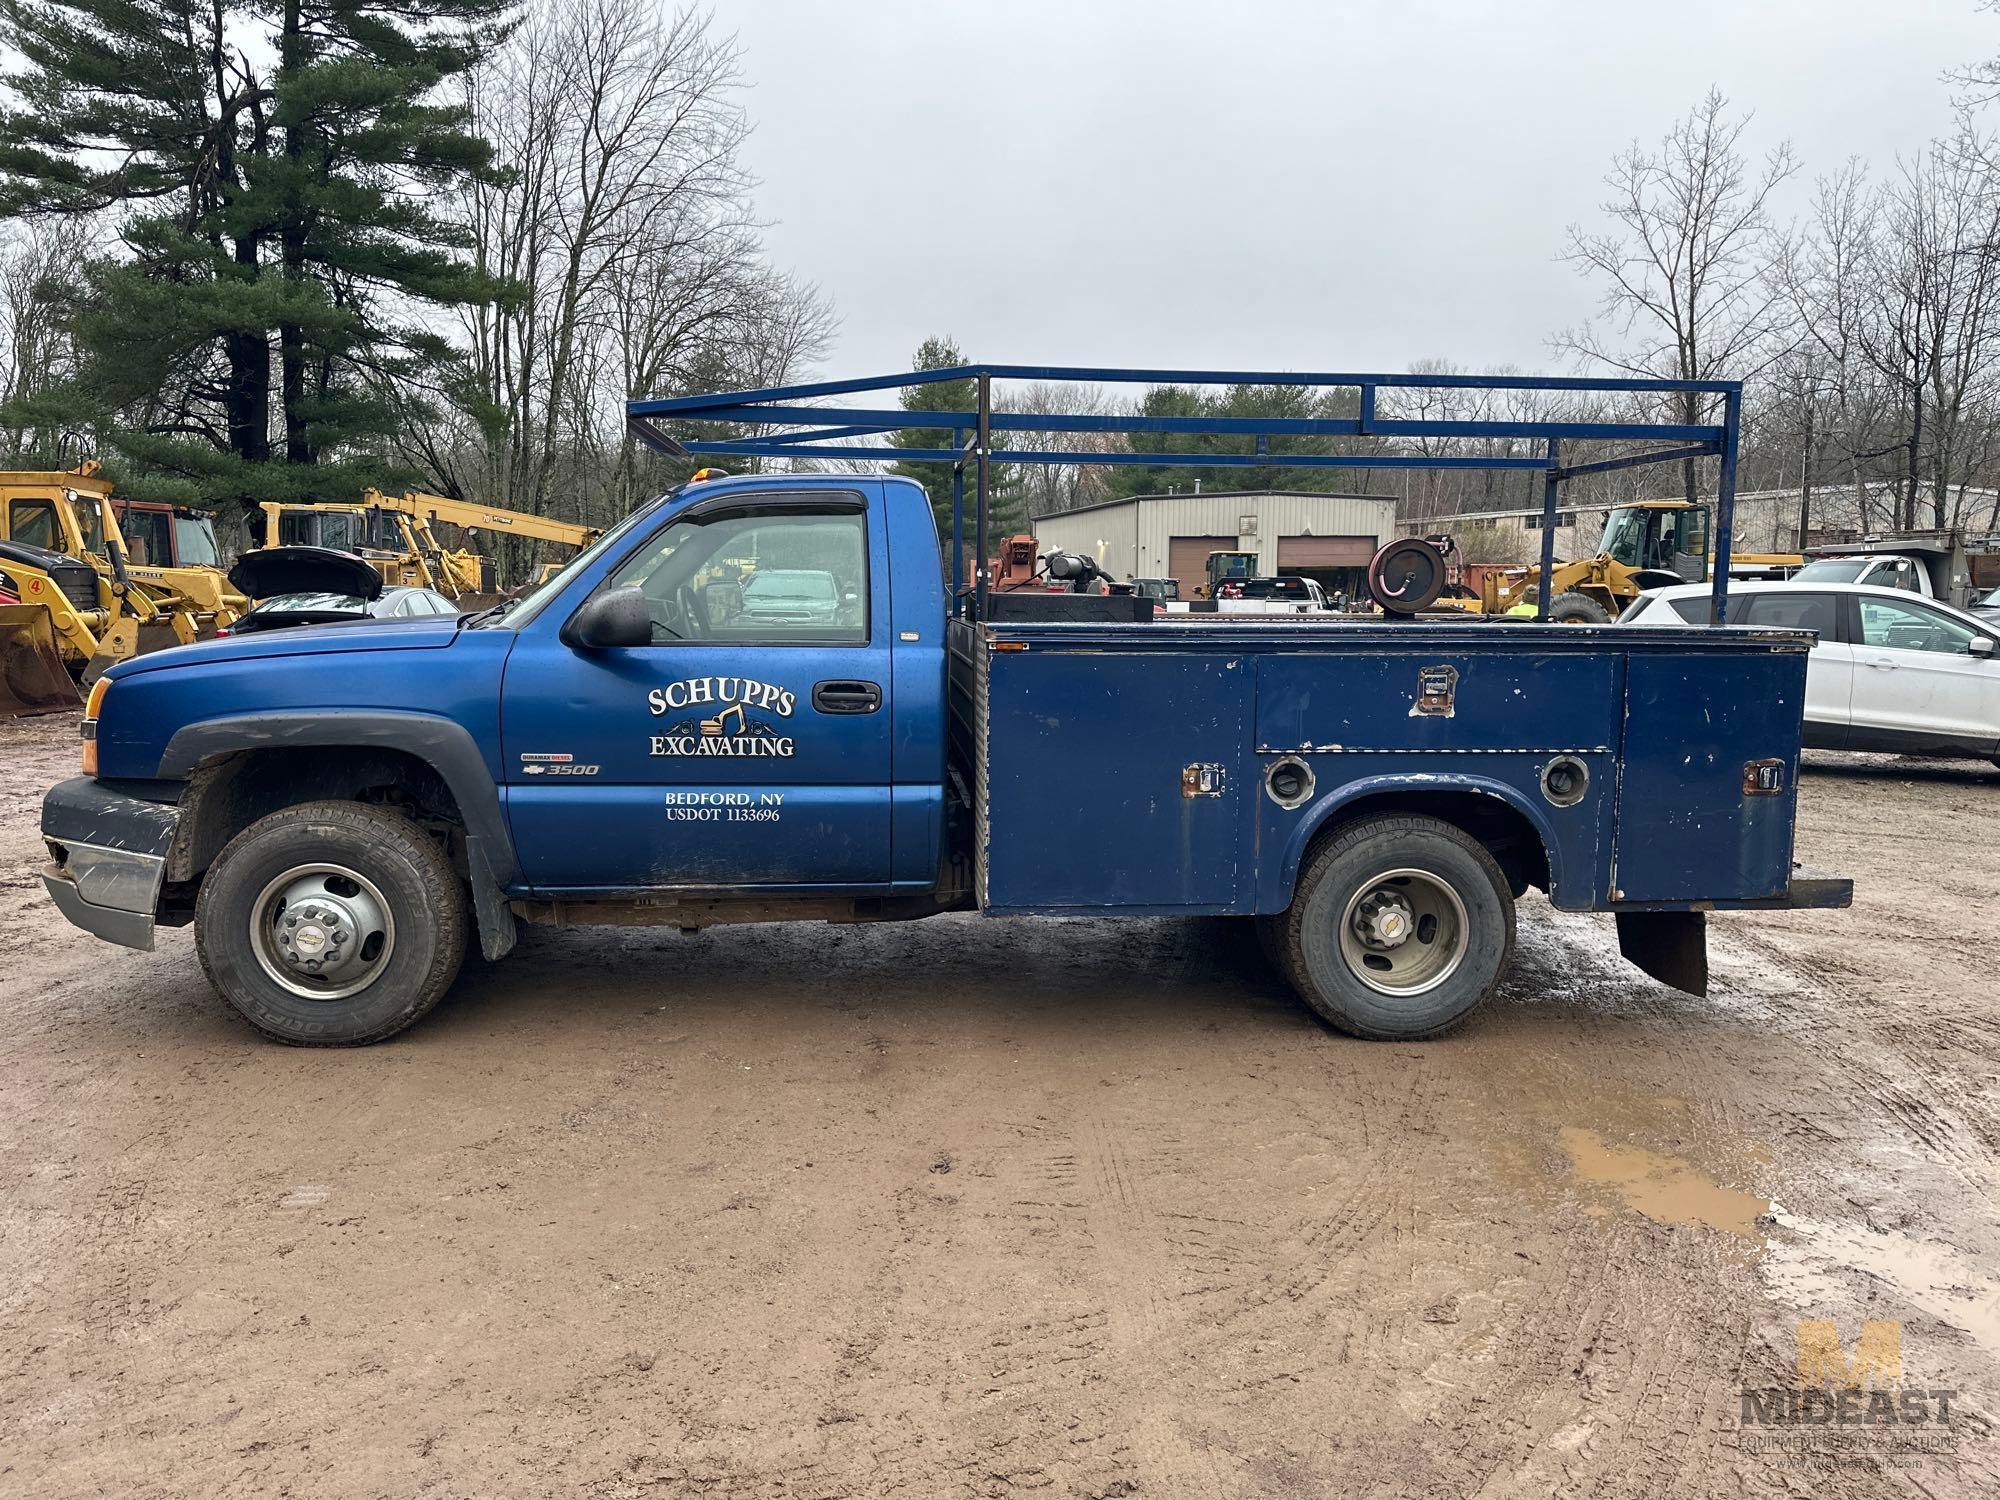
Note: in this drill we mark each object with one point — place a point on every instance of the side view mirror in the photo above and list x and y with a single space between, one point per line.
617 617
1980 645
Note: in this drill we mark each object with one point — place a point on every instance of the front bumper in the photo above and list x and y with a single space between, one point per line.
108 852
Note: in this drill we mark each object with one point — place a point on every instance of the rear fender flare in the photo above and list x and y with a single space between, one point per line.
1328 810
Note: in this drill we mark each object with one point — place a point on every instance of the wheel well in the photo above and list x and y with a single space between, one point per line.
227 793
1513 841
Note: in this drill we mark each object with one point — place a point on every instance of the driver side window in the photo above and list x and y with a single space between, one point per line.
34 522
1891 624
781 576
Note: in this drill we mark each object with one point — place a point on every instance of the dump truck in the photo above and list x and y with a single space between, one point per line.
1936 564
396 533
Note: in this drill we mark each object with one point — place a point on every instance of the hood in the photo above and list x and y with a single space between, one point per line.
304 570
368 635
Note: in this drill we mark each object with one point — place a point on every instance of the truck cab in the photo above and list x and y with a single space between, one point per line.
702 754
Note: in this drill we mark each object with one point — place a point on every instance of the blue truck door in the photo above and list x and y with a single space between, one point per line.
749 744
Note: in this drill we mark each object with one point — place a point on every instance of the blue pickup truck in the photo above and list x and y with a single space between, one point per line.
652 737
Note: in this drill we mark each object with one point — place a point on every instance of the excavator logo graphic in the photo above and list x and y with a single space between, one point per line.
716 725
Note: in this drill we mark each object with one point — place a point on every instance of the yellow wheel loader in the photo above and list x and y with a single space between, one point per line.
56 527
1647 544
395 534
170 551
61 618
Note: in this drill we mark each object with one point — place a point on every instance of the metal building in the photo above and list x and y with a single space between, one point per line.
1325 537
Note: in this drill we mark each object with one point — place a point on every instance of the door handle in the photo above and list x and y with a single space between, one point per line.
845 696
1881 664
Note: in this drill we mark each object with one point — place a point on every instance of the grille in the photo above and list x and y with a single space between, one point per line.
78 582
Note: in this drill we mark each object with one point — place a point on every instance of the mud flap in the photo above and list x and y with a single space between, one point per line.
1672 946
33 679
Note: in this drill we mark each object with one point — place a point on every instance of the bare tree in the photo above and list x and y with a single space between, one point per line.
626 233
1686 264
1935 284
38 268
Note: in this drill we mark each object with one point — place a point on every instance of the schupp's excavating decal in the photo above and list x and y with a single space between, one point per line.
723 716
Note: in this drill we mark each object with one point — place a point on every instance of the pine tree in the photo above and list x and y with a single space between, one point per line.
1006 512
1236 401
277 260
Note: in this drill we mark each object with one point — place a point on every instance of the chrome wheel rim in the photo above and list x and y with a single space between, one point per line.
1404 932
322 931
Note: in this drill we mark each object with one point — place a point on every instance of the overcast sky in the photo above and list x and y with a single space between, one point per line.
1289 184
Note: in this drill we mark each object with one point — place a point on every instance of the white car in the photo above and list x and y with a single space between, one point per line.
1891 672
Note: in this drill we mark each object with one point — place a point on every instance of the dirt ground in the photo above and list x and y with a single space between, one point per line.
993 1208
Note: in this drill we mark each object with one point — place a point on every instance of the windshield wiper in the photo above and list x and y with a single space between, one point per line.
491 612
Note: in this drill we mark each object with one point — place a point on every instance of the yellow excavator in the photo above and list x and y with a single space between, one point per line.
395 534
72 598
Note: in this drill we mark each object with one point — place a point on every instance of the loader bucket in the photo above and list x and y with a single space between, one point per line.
33 679
119 641
158 636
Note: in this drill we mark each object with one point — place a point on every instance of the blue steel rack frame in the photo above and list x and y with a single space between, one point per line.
785 425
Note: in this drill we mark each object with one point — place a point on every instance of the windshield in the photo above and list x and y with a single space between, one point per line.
1990 599
1832 570
532 603
340 530
194 542
291 604
91 519
790 584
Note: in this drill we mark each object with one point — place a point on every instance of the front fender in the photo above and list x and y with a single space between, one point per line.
446 746
443 744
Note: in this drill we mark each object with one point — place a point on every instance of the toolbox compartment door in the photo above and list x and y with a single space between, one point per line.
1708 790
1116 779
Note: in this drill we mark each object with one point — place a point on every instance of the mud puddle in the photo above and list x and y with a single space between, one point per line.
1666 1189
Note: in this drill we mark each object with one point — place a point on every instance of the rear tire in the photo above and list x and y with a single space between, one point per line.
331 924
1399 927
1572 608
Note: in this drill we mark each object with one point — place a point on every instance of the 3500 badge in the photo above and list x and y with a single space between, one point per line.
553 764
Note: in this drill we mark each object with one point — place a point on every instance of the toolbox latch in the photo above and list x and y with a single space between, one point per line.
1201 781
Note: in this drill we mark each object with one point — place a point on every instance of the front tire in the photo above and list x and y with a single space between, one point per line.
1399 927
1573 608
331 924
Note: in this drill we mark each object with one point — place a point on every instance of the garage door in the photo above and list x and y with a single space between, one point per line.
1325 552
1187 559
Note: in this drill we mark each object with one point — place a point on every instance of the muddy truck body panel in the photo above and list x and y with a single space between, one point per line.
747 703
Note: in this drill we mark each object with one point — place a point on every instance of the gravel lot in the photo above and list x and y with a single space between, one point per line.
977 1208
